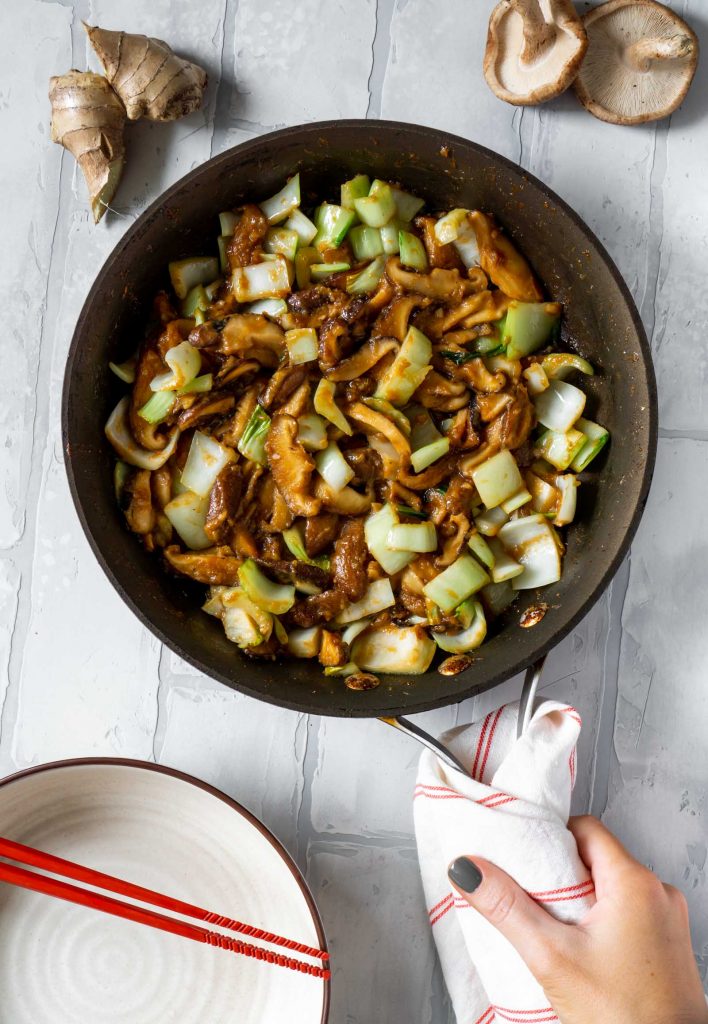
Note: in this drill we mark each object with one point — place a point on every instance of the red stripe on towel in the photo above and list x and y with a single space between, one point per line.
565 899
437 906
561 892
491 801
480 741
444 910
489 741
440 794
526 1016
485 1018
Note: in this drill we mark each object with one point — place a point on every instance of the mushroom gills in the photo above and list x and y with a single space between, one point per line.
534 49
640 62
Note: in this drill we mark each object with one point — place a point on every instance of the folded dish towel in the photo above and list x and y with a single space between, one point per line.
513 812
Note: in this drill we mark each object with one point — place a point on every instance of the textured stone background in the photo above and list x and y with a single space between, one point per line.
78 674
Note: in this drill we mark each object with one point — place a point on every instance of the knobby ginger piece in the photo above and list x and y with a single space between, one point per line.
88 120
151 80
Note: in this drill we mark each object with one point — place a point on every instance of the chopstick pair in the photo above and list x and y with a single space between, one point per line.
19 876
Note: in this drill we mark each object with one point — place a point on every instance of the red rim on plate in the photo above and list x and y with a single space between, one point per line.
126 762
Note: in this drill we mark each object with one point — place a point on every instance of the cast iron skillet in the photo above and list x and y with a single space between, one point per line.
602 323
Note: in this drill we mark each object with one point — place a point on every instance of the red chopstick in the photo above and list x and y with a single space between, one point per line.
13 875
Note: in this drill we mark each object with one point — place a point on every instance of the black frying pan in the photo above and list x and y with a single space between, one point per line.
602 323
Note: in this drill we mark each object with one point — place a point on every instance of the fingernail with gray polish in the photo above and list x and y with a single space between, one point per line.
465 874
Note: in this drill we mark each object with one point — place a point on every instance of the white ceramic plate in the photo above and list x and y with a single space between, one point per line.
62 964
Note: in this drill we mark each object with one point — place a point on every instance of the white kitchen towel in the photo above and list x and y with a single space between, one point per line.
514 812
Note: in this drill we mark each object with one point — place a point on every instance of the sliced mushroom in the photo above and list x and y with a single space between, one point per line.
319 608
150 364
377 423
291 466
349 560
320 532
118 433
271 547
381 297
437 392
439 254
232 431
282 384
462 433
137 501
443 285
363 360
174 334
460 495
431 476
332 340
640 62
411 596
308 299
240 334
283 571
534 49
233 368
483 308
161 486
251 227
513 427
243 542
393 320
491 406
224 503
204 408
504 264
366 464
205 566
456 530
299 401
275 516
478 377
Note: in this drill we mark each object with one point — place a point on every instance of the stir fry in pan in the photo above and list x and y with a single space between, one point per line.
355 427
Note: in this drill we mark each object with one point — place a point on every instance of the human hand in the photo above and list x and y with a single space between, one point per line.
629 961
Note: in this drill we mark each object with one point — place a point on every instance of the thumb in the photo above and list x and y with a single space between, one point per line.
529 928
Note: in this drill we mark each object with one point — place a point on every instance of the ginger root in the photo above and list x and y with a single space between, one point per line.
88 120
151 80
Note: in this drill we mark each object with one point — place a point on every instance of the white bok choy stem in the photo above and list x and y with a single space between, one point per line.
184 361
559 406
468 639
305 643
456 583
419 537
386 649
408 370
270 279
596 437
377 527
532 542
120 436
205 461
281 205
378 596
187 512
276 598
498 479
333 467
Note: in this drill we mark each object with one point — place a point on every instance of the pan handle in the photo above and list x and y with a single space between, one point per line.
415 732
526 706
528 695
